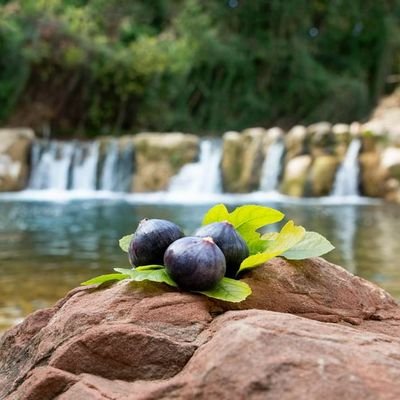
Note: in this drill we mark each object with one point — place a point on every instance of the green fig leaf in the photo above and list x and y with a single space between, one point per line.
312 245
289 236
229 289
246 220
124 242
154 275
105 278
218 213
149 267
249 218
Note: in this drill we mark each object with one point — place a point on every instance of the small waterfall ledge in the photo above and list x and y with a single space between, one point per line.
203 176
108 166
347 177
272 167
58 165
317 161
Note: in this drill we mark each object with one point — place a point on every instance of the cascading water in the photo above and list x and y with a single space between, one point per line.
84 166
107 178
117 169
203 176
51 162
272 166
76 165
346 181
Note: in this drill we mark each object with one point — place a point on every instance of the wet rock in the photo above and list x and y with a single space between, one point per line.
15 147
391 161
322 139
322 174
372 174
295 142
386 117
342 139
148 341
231 171
242 159
372 140
159 156
295 176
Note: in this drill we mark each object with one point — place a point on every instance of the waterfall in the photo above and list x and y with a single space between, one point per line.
51 163
117 169
346 181
107 179
84 166
203 176
272 166
59 165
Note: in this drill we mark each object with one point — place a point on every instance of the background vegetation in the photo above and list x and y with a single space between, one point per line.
109 66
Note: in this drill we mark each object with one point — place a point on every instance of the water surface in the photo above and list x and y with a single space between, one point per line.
48 248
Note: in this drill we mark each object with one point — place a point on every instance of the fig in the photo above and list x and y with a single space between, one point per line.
195 263
229 241
151 239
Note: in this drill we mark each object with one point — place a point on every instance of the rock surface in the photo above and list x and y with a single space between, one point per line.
159 156
243 156
14 158
147 341
295 176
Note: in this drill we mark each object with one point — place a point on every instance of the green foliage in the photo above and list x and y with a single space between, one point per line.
111 66
230 290
246 220
152 274
105 278
124 242
312 245
275 246
227 289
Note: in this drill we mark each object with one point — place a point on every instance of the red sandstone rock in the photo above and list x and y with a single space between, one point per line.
135 341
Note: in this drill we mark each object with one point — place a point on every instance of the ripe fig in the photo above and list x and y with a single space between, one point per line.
151 239
195 263
229 241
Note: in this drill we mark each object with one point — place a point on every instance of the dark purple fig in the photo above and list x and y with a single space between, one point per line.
195 263
151 239
229 241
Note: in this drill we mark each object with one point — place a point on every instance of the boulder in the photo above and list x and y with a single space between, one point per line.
295 142
295 176
322 174
391 161
232 151
386 117
272 135
149 341
15 145
392 190
242 158
322 139
159 156
342 137
373 175
372 141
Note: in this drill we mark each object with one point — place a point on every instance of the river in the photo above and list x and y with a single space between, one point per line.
48 247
